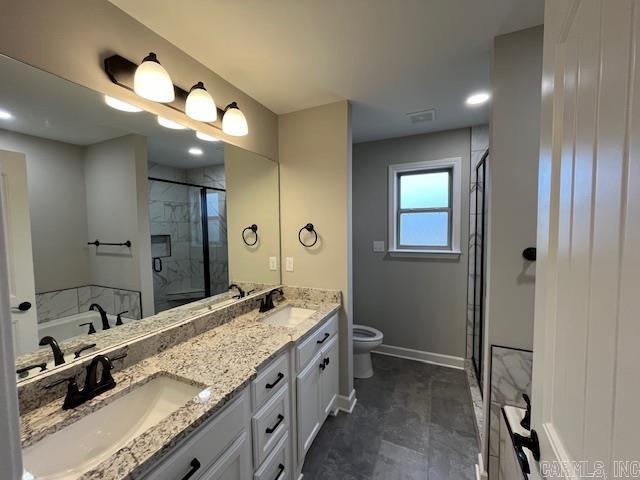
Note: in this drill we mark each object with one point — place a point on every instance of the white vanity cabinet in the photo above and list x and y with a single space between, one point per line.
220 449
316 383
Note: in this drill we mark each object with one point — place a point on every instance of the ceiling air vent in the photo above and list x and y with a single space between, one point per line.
423 116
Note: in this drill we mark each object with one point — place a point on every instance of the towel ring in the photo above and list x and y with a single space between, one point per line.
309 228
254 229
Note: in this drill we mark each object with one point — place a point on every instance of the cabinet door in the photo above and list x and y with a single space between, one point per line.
329 377
308 403
235 463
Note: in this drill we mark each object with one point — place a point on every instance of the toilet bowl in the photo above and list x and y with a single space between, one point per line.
365 339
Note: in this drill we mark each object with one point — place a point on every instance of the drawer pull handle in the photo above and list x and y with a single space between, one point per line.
273 429
326 335
326 361
195 466
269 386
322 366
280 470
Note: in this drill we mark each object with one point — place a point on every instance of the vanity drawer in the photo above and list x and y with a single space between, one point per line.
207 444
318 339
276 466
269 381
270 424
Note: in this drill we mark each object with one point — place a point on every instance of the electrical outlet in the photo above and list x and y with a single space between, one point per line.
273 263
378 245
289 263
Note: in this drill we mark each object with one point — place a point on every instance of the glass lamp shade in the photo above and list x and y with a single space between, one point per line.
200 105
206 138
151 81
234 122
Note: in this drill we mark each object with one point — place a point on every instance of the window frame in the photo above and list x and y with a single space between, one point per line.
453 165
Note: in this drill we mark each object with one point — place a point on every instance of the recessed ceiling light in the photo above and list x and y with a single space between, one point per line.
478 98
206 138
165 122
120 105
4 115
195 151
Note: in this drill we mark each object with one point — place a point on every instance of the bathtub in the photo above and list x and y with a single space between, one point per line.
69 327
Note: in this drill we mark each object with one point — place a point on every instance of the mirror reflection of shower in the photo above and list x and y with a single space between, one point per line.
188 225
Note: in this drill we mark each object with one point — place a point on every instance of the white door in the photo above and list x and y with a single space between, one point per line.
15 204
586 384
308 405
329 377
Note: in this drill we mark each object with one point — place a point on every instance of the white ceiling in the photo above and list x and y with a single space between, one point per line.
389 57
47 106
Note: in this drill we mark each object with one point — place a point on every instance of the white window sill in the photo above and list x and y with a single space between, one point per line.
426 253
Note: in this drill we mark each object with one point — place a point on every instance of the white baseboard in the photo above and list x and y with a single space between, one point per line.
346 404
420 356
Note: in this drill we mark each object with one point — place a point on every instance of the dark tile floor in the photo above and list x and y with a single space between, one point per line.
412 421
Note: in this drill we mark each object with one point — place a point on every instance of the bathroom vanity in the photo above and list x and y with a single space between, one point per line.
242 400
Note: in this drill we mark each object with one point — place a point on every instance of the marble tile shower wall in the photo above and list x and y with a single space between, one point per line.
479 144
510 378
70 301
175 210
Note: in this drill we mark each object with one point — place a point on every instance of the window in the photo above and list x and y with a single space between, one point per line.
424 207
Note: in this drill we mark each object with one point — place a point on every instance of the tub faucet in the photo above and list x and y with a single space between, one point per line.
103 315
58 357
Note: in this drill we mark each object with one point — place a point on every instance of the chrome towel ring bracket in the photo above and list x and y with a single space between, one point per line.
311 229
253 228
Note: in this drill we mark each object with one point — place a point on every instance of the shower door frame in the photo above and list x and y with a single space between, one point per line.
479 296
204 217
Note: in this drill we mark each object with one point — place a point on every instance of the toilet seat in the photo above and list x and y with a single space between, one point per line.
362 333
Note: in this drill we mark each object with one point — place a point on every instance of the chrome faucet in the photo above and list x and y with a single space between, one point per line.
103 315
58 356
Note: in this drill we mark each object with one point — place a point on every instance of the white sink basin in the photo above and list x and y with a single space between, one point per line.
289 316
82 445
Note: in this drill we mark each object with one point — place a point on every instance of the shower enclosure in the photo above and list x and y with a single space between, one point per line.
188 242
478 265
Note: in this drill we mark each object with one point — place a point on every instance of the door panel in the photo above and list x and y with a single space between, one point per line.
329 377
308 411
585 364
15 204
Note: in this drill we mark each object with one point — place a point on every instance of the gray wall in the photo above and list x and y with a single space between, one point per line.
513 186
417 303
57 203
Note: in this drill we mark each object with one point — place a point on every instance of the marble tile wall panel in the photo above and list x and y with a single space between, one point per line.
510 375
58 304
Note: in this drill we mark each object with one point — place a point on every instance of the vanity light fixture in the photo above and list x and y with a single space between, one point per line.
234 122
151 81
200 105
195 151
165 122
120 105
478 99
206 138
4 115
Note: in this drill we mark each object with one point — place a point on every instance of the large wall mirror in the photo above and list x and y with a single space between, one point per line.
118 225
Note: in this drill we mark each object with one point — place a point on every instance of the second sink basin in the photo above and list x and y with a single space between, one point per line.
82 445
289 316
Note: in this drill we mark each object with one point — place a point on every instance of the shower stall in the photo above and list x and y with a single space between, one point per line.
188 241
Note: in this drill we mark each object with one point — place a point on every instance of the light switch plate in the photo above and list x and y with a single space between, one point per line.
289 264
273 263
378 245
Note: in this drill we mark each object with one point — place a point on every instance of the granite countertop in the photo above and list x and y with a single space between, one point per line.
222 361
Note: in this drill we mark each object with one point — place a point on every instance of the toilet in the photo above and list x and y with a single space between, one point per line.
365 339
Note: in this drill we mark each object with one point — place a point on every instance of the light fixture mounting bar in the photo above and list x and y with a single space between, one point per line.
121 70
